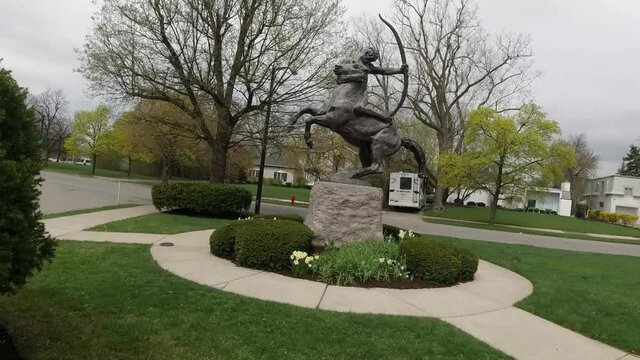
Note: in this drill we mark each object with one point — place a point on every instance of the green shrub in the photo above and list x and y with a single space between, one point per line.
24 243
471 203
296 218
481 204
223 241
438 263
268 244
211 199
360 262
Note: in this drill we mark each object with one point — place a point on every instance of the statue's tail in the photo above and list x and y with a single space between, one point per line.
418 153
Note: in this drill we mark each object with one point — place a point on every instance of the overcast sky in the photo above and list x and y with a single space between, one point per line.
587 50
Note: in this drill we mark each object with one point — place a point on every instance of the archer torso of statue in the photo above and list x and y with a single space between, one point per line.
352 79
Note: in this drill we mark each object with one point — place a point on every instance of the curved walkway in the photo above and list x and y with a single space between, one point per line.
482 308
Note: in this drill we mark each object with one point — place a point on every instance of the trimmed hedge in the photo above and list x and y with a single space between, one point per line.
296 218
268 244
223 241
438 263
212 199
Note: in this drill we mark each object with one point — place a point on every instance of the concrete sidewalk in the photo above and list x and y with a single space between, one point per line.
482 308
61 226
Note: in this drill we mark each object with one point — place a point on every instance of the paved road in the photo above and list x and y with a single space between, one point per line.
63 192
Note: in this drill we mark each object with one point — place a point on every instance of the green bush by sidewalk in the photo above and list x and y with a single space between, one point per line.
211 199
267 244
296 218
438 263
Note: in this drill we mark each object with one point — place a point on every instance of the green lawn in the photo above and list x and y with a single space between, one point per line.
534 220
86 170
594 294
569 235
279 192
112 301
162 223
86 211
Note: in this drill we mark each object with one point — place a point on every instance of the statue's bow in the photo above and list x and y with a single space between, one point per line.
403 56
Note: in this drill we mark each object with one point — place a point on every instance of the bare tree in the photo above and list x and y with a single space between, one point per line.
213 59
51 115
585 167
457 67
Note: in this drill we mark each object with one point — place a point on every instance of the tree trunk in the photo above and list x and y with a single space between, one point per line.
219 149
445 144
129 167
93 164
494 208
166 167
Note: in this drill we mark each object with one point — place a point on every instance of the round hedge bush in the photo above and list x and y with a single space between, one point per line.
223 241
438 263
212 199
268 244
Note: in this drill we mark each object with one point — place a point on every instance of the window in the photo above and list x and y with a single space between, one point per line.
628 191
282 176
531 204
601 204
254 174
406 183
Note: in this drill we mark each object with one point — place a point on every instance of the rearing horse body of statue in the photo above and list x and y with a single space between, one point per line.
347 114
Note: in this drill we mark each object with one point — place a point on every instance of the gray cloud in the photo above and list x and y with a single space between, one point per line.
587 50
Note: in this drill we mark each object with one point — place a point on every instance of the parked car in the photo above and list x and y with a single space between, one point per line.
83 162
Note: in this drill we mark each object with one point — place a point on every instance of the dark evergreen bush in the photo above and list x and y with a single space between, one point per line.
481 204
438 263
223 241
211 199
24 244
457 201
268 244
296 218
471 203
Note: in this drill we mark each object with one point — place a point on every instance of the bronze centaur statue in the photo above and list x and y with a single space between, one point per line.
347 114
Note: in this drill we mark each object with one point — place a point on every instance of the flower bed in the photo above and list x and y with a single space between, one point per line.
401 261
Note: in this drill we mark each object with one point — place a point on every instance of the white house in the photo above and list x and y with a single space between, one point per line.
275 168
615 193
558 200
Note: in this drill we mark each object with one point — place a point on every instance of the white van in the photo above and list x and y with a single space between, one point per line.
83 161
407 190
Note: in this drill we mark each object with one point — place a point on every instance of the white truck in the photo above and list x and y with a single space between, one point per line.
407 190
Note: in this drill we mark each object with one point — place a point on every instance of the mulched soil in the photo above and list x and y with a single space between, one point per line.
7 349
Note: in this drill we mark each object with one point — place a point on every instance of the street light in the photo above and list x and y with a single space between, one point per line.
265 135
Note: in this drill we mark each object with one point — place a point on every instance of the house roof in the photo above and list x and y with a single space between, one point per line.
616 175
273 160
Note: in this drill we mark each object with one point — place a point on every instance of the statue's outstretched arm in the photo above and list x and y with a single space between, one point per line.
387 71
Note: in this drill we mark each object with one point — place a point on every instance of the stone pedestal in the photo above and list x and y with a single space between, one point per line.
344 213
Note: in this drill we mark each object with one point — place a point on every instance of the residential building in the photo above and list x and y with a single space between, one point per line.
558 200
275 168
616 193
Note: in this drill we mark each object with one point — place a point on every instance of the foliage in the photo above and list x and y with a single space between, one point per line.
296 218
24 244
631 162
88 131
438 263
506 155
612 218
205 198
126 139
267 244
360 262
223 241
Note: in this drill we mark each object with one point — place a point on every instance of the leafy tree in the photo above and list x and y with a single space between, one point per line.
631 162
204 54
88 131
456 66
584 168
24 244
126 139
506 155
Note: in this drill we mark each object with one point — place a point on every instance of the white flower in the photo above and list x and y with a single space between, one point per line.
275 218
389 262
381 260
401 267
308 259
240 218
317 257
411 234
295 262
309 265
292 257
402 234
